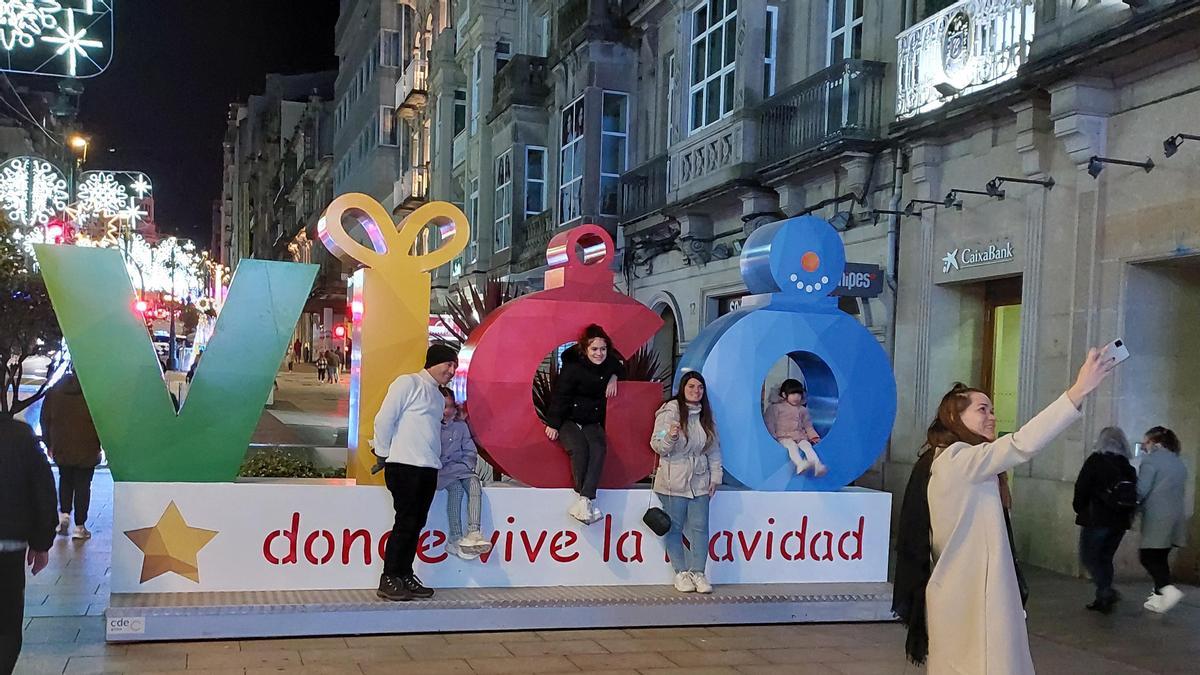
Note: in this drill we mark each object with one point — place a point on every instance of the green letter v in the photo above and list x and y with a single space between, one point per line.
143 437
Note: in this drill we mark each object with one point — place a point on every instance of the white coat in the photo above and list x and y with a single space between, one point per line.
973 606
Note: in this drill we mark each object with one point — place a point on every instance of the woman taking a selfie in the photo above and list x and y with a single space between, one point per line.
963 595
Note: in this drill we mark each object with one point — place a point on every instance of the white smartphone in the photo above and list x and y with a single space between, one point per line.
1115 350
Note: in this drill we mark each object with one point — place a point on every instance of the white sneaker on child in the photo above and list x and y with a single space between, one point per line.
684 583
802 466
461 549
594 512
820 470
475 543
701 582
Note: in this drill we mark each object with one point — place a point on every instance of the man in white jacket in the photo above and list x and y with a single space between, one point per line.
408 440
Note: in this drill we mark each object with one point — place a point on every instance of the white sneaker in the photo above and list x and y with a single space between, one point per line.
80 532
700 582
581 510
1154 603
64 523
820 470
684 583
594 512
475 543
802 466
460 549
1170 596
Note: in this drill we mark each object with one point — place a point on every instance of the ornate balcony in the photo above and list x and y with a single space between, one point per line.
533 239
644 189
522 81
412 189
969 46
412 88
841 103
458 151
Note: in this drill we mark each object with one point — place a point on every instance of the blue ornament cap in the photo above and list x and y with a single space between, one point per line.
851 388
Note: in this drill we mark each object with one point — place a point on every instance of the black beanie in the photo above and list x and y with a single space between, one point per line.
438 354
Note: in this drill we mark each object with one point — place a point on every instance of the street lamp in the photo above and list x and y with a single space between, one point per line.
81 144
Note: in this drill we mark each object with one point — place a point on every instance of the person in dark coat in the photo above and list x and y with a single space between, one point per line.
590 370
71 438
26 528
1105 476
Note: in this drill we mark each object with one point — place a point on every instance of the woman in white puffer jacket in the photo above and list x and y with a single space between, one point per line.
689 471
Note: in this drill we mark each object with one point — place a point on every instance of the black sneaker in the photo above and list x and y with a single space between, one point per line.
414 587
390 588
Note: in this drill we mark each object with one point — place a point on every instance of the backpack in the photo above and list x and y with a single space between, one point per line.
1121 496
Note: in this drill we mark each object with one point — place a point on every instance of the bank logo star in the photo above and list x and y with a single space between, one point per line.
170 546
950 261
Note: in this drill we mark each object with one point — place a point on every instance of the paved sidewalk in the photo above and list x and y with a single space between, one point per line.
65 634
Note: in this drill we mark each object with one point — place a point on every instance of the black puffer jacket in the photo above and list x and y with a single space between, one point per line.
28 508
579 392
1100 471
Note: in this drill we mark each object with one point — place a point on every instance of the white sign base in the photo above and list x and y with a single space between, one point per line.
261 537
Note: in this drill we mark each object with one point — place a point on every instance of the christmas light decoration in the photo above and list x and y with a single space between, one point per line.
63 38
31 190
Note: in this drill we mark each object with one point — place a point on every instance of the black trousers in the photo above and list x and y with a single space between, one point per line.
12 608
1097 547
586 446
75 487
412 489
1155 562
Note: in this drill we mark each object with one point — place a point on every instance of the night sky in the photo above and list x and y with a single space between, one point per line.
178 64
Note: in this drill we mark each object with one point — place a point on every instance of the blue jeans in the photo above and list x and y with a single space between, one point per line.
689 517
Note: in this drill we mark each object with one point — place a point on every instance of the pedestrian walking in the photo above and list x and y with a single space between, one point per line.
296 350
408 440
74 445
1105 501
578 407
322 367
26 528
689 471
956 586
334 372
1162 485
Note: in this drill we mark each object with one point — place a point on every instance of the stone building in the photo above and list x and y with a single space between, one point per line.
1029 103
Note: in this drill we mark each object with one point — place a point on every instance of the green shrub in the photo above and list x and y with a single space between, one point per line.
278 463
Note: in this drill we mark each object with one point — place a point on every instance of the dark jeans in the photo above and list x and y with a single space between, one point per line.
1097 546
1155 562
586 447
12 608
412 489
75 487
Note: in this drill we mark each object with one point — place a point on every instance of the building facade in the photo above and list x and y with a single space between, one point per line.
963 149
279 166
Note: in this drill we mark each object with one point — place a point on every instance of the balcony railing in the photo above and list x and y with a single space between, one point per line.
969 46
644 189
522 81
413 86
413 186
534 237
842 102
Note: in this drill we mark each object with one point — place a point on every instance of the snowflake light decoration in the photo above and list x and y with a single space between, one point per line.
100 194
63 38
31 190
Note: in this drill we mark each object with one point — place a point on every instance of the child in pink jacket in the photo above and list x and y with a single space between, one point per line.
789 423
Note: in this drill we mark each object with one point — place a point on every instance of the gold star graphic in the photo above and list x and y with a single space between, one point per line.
170 546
